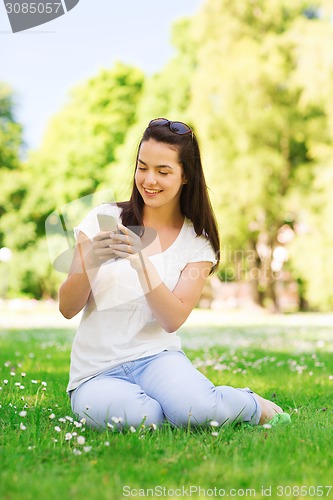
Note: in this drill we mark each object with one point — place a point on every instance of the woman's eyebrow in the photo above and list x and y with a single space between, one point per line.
157 166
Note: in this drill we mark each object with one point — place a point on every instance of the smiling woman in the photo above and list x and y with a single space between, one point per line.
159 177
137 286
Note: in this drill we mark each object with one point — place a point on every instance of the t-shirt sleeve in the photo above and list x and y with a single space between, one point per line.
89 225
202 251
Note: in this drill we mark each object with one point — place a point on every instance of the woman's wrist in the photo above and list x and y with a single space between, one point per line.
88 258
148 276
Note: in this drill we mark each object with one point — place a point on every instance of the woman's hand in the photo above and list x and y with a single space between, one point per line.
127 245
102 247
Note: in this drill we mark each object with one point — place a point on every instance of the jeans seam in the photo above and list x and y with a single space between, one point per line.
257 413
128 369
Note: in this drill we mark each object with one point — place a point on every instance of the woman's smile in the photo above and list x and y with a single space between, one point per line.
151 192
159 175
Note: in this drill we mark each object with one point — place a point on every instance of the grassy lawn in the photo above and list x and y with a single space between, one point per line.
286 358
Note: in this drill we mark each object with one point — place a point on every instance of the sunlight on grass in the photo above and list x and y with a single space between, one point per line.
285 358
297 333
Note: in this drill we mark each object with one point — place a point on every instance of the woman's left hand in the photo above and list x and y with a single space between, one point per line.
127 245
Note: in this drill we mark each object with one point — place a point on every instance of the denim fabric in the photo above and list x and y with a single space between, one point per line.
165 386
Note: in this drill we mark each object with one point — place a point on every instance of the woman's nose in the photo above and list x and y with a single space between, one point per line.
150 178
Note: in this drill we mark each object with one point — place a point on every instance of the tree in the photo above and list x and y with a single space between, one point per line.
82 139
79 144
167 93
10 147
311 255
261 134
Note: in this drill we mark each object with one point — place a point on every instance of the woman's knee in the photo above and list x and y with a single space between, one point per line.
116 408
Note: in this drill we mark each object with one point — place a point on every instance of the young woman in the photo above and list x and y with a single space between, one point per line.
137 286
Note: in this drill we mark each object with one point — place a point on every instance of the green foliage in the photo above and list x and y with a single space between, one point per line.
35 456
255 80
79 144
82 138
10 147
164 94
262 123
10 130
312 257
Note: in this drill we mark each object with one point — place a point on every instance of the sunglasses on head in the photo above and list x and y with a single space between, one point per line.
179 128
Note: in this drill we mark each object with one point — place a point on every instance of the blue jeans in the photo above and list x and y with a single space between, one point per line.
165 386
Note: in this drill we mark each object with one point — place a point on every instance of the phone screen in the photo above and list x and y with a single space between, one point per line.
107 222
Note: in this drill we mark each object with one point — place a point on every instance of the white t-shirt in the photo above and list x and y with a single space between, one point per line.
117 324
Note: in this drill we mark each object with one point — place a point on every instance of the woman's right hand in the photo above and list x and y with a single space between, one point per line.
88 256
102 250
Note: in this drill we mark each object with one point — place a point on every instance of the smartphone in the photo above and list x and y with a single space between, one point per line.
107 222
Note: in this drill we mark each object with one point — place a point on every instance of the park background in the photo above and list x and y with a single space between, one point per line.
255 80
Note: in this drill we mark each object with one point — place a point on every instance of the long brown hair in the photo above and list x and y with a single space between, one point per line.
194 200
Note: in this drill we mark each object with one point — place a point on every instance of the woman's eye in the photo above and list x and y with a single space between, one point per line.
164 173
142 168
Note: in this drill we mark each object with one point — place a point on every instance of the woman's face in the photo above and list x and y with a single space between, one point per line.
159 177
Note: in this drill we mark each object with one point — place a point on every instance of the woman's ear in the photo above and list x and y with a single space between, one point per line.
184 180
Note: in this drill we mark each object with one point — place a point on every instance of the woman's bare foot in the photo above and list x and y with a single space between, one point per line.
268 408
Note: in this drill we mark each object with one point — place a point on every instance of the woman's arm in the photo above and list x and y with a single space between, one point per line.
171 309
88 255
75 291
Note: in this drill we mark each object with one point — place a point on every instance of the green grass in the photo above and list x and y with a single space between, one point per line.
288 359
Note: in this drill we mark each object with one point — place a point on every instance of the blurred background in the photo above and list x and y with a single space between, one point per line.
255 80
